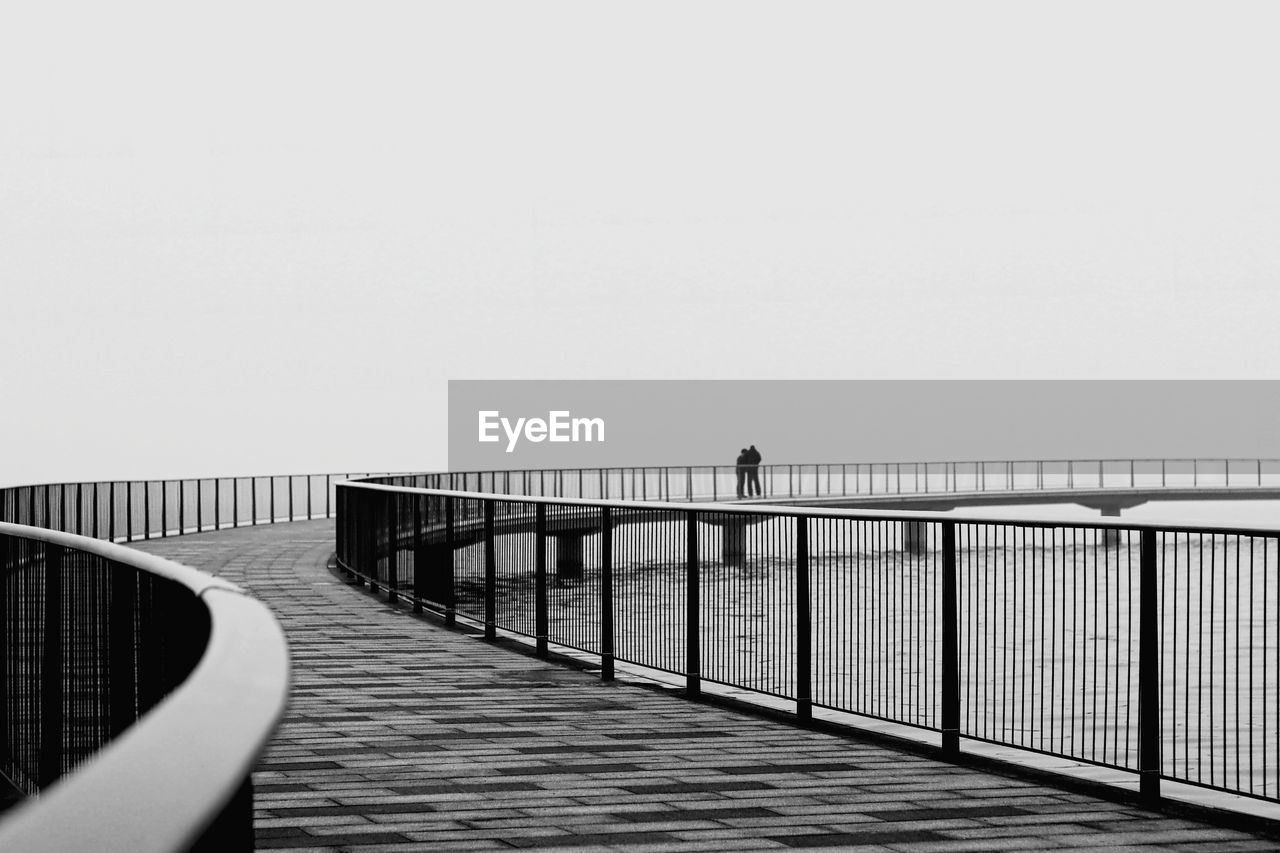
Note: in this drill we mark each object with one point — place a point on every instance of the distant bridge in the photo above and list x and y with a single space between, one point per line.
964 602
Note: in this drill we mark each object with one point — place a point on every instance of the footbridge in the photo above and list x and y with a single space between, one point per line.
841 600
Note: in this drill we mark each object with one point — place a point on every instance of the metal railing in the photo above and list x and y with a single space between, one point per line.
1146 648
859 479
864 597
129 510
137 695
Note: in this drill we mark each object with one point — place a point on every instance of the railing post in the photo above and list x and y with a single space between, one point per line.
51 670
271 492
146 509
791 484
804 631
1148 671
693 632
422 564
392 525
541 627
606 594
450 592
164 509
217 505
291 497
490 575
1132 480
950 644
235 501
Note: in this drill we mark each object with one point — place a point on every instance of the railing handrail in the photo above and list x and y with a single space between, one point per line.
787 510
286 475
863 463
157 786
196 581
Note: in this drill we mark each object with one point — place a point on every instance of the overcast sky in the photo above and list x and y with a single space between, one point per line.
260 237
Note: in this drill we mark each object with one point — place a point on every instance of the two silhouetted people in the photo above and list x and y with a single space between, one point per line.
747 468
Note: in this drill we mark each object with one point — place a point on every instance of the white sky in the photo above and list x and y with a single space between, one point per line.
253 237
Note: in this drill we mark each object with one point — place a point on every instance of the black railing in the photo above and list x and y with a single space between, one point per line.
154 683
957 626
1145 648
129 510
861 479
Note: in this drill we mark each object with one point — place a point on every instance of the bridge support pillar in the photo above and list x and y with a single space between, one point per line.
569 555
733 539
1111 538
915 537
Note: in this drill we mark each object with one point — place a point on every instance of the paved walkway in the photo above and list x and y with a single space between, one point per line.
402 735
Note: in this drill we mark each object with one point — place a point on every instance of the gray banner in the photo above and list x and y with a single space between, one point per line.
673 422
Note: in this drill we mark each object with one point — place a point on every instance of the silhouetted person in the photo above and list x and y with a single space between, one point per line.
753 471
741 470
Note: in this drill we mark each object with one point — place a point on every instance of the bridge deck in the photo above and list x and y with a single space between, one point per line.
403 735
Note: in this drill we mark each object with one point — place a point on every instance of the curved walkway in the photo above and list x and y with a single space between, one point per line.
403 735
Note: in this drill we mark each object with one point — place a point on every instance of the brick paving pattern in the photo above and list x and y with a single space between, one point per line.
403 735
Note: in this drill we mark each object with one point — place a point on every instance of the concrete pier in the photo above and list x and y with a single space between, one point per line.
733 534
569 548
915 537
1111 537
